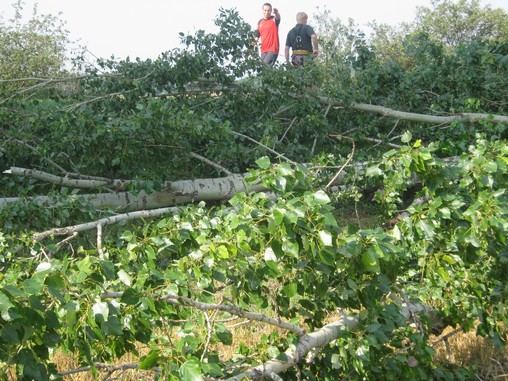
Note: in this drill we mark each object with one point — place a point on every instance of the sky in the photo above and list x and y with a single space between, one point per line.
146 28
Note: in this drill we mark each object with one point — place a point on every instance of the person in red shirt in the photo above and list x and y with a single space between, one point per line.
268 34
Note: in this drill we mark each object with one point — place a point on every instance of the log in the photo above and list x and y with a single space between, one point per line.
173 193
316 340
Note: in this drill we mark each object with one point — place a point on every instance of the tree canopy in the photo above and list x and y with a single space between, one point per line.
33 48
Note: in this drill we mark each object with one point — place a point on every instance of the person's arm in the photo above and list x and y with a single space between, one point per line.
286 54
256 37
315 47
277 14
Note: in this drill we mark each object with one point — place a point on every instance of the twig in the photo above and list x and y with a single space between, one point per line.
378 142
208 336
350 157
447 336
209 162
104 367
99 240
234 310
287 129
104 221
65 240
95 99
264 146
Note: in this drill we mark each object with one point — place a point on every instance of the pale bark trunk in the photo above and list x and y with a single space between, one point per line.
174 193
318 339
424 118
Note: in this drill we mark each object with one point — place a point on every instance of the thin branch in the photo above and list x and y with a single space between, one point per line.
208 336
234 310
95 99
378 142
104 221
209 162
447 336
106 367
287 129
434 119
264 146
350 157
35 151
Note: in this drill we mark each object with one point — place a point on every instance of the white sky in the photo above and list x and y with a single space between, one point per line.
147 28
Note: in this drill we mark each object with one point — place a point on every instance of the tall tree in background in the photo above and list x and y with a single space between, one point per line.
448 22
32 48
459 22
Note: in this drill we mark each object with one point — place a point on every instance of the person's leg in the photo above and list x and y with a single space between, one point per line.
269 58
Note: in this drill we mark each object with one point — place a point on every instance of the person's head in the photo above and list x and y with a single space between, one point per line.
267 10
301 18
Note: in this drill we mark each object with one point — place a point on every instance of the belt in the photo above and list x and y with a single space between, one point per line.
301 52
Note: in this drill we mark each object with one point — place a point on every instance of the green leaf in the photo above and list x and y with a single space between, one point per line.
130 297
55 281
278 217
273 352
150 360
212 369
448 259
321 198
101 309
426 229
33 285
443 274
406 137
445 213
326 257
225 336
5 302
373 171
222 252
112 326
325 237
290 247
190 370
370 259
124 277
9 334
289 290
352 284
264 162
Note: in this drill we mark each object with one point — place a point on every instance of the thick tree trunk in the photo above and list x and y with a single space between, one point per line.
174 193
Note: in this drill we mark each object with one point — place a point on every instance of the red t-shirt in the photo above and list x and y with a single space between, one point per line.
268 31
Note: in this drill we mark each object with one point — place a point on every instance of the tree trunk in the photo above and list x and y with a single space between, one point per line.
174 193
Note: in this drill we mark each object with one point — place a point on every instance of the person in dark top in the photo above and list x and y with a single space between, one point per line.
268 34
302 40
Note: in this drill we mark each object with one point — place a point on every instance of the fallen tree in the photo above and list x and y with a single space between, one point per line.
173 193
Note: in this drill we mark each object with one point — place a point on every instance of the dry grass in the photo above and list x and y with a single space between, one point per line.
468 349
248 334
461 349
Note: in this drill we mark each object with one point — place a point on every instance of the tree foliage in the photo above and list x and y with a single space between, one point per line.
462 22
324 297
33 48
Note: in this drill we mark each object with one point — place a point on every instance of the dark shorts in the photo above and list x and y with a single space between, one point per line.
300 59
269 58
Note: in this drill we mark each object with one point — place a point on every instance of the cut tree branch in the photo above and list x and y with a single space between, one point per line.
317 340
173 193
403 115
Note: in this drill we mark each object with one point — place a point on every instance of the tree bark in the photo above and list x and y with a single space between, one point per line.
403 115
173 193
316 340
